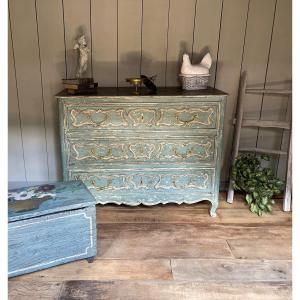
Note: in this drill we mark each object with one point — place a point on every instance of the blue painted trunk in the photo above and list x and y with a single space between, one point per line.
50 225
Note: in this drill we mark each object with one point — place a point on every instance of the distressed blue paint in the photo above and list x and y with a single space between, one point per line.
131 149
60 230
71 195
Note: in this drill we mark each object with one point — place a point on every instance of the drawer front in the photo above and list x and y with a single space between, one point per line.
43 242
157 150
146 186
203 115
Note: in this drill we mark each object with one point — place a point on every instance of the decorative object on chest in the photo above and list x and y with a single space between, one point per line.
50 225
81 85
143 79
195 77
144 149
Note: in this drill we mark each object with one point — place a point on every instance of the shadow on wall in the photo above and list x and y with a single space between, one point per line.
133 64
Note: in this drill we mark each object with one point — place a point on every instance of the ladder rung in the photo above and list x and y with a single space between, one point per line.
266 124
261 150
268 91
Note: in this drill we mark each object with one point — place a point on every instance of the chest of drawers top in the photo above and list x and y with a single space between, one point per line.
129 92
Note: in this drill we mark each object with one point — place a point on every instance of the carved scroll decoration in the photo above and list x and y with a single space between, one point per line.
109 152
143 150
111 117
161 117
143 116
192 115
145 181
192 152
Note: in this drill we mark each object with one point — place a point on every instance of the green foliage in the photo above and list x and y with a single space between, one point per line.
259 184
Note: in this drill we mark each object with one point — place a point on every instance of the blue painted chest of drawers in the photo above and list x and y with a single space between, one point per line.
50 225
144 149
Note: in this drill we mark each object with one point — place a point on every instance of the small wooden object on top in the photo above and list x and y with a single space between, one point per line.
240 122
77 86
49 225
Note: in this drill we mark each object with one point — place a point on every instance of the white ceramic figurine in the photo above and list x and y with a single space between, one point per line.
81 45
198 69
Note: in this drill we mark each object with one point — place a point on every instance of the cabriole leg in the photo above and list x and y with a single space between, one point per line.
213 209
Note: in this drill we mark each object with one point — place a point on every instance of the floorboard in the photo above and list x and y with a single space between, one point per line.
175 252
116 269
168 232
31 290
174 290
190 216
263 249
207 270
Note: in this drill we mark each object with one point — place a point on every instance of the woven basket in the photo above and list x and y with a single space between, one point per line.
194 82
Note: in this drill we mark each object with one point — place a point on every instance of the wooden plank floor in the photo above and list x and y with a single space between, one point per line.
175 252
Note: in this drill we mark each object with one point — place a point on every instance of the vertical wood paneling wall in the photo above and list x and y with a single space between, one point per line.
129 37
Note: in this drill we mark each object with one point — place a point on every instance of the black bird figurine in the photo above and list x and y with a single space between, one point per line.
149 83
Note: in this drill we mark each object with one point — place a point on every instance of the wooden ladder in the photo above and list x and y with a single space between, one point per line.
240 122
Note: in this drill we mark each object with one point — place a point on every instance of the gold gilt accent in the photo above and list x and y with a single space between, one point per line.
142 181
190 182
143 117
105 121
93 153
142 150
167 120
109 182
190 153
140 116
145 181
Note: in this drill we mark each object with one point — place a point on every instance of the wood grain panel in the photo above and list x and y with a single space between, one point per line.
154 39
77 22
261 249
180 37
104 33
259 29
229 216
28 290
119 241
105 270
166 290
26 51
208 15
278 76
129 39
51 41
231 270
16 167
168 248
237 216
259 269
189 233
229 66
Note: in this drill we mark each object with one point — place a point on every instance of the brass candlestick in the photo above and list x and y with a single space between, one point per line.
136 81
